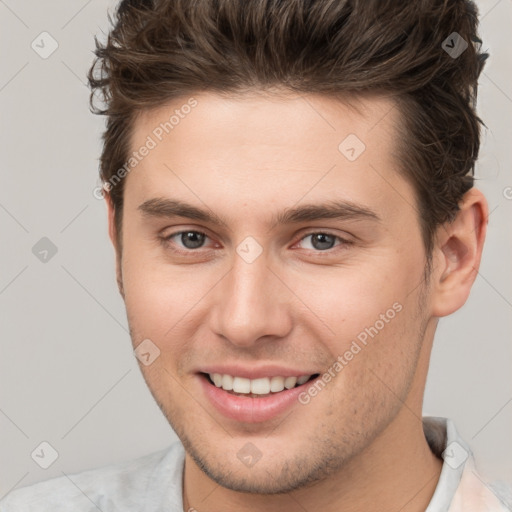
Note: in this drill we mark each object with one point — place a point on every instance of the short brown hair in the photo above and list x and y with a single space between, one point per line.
159 50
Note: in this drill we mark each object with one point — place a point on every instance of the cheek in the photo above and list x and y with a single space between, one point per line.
370 316
349 302
158 296
377 364
339 305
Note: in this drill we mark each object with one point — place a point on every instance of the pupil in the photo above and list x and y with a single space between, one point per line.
320 237
192 239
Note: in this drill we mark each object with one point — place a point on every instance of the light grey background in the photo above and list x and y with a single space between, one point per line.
67 373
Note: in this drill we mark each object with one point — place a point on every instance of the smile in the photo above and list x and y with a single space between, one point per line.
261 387
253 400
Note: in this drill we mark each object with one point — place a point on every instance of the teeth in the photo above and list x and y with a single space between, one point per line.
290 382
276 384
262 386
227 382
302 379
241 385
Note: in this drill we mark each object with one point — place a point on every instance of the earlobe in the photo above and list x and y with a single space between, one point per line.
458 250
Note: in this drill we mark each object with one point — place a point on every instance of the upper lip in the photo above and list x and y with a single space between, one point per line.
255 372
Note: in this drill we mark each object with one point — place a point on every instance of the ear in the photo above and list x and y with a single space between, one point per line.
112 233
457 254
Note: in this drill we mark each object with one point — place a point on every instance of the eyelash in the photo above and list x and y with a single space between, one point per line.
166 240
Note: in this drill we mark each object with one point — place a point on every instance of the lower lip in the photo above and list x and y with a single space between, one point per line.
251 410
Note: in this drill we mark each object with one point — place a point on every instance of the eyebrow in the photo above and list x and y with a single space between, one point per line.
335 209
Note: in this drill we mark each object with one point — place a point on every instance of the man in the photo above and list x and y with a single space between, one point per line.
290 198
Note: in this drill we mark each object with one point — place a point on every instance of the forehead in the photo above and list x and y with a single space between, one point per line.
311 122
268 149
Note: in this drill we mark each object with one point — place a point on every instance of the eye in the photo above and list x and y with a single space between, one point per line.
321 241
188 239
191 240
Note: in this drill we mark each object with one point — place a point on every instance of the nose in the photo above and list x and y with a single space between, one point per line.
251 303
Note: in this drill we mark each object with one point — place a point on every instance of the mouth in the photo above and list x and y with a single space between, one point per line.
254 394
256 388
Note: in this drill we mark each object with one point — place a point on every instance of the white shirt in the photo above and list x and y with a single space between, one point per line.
153 483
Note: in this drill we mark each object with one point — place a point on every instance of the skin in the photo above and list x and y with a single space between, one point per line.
359 444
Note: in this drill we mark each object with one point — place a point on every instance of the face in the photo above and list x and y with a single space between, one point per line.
267 238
